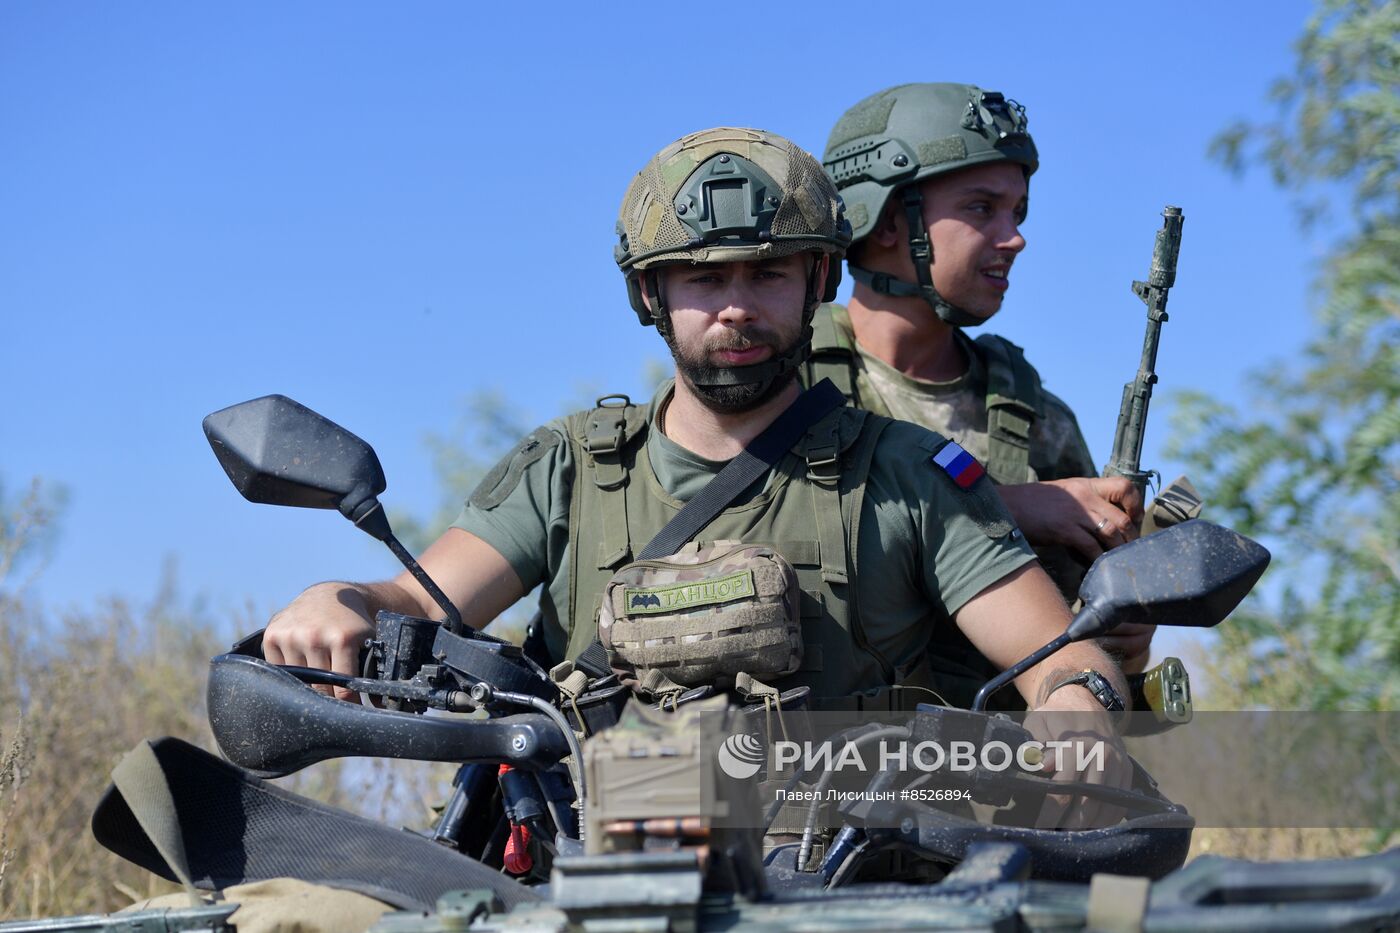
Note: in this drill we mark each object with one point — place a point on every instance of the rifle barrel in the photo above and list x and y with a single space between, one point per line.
1132 413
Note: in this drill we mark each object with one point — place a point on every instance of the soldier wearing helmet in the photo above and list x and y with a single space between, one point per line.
729 239
935 181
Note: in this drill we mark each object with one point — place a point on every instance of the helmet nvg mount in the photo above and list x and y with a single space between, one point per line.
730 195
893 140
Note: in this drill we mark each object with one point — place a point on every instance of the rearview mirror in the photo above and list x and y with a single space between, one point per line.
1193 574
280 452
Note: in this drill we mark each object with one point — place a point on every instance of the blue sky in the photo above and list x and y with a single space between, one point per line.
380 208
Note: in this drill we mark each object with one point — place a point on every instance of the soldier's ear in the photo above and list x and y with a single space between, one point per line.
887 233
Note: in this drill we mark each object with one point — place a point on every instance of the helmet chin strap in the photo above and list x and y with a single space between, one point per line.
921 251
765 373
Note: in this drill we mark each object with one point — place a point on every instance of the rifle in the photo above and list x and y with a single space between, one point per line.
1132 414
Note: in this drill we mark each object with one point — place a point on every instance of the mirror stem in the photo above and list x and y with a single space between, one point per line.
1090 623
979 703
454 618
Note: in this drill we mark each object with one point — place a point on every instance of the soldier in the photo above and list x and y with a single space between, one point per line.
729 239
934 178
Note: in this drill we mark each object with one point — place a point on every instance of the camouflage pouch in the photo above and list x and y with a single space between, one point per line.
702 616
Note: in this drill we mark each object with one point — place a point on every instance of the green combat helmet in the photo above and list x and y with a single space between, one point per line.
730 195
893 140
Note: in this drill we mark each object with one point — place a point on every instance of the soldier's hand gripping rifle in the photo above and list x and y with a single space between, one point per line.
1132 415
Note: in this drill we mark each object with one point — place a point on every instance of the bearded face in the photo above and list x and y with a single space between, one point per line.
737 330
730 389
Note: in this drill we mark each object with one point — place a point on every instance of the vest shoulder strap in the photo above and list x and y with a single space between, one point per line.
835 357
1014 402
825 448
605 431
604 436
858 458
833 350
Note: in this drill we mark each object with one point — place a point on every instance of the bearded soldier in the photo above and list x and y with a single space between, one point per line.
935 182
729 239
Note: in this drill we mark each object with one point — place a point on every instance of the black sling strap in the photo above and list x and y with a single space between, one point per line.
761 455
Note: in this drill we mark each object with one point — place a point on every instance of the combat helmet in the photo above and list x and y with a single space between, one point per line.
893 140
730 195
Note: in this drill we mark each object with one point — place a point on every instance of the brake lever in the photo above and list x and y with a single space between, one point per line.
449 700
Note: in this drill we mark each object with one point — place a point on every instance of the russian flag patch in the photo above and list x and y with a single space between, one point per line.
959 464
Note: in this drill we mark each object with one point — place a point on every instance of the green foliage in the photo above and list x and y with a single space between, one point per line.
1312 463
1337 115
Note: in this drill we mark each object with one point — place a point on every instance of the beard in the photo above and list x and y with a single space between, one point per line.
716 386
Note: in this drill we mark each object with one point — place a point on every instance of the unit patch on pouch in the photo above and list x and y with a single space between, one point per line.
689 594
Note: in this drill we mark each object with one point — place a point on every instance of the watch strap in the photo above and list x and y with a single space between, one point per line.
1098 685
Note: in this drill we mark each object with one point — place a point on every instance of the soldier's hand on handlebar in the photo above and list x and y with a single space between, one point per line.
325 628
1095 755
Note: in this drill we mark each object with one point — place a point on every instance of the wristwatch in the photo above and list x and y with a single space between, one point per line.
1098 685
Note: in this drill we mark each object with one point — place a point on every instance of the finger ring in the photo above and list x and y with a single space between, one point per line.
1099 526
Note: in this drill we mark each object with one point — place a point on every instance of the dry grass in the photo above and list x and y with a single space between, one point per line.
90 687
1219 672
76 693
79 691
1274 845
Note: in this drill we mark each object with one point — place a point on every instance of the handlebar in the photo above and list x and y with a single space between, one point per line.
268 721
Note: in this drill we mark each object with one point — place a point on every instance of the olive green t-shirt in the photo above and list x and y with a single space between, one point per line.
921 554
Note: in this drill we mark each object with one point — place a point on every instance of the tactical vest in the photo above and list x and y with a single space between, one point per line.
810 513
956 668
1014 397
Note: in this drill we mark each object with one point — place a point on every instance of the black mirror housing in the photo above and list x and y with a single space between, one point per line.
1192 574
279 452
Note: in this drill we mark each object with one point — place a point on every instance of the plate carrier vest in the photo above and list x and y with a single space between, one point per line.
809 512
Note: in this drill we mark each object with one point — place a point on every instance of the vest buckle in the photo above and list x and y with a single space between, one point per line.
604 435
824 463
